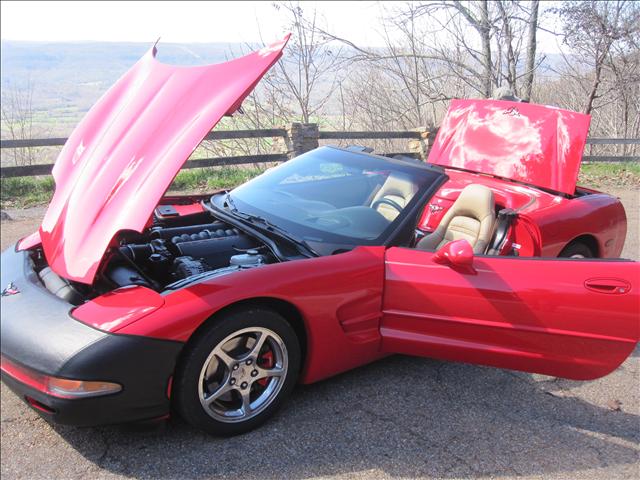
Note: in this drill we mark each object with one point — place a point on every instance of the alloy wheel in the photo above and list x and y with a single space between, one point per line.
243 374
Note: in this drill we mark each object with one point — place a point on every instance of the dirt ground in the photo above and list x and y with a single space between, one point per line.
401 417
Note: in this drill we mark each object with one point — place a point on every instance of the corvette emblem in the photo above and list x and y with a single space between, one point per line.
513 111
10 289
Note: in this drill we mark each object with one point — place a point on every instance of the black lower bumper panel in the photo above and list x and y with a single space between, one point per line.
38 333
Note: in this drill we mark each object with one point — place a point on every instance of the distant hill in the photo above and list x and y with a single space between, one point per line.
68 78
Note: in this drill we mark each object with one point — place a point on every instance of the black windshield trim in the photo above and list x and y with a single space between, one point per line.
394 160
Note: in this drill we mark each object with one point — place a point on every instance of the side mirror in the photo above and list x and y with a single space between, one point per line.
458 253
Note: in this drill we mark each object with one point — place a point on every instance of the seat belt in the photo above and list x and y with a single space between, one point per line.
505 219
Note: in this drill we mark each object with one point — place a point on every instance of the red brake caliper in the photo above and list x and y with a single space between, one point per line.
266 361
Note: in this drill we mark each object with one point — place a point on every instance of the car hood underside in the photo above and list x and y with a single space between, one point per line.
124 154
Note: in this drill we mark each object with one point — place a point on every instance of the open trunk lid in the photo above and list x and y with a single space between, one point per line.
533 144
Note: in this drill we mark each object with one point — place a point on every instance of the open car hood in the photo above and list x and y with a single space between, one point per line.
124 154
534 144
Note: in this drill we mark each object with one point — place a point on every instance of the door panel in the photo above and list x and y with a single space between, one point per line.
575 319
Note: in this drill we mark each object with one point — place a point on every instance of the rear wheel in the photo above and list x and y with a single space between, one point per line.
237 373
576 250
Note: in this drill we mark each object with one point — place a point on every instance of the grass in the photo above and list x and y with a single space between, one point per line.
610 174
24 192
201 179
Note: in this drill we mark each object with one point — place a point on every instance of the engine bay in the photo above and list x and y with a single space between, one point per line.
183 242
177 248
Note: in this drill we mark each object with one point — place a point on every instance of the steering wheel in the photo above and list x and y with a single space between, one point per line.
387 201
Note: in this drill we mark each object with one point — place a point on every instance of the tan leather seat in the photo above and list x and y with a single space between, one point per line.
399 189
471 217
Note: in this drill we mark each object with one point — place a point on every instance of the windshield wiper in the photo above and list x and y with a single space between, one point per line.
230 202
257 219
299 242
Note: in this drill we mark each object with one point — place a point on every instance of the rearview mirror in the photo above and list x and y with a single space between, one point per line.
457 253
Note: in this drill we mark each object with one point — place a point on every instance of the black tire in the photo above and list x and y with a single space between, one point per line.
576 250
185 389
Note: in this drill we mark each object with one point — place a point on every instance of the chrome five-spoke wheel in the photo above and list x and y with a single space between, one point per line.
237 370
243 374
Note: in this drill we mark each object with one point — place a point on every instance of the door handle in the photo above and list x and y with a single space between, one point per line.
611 286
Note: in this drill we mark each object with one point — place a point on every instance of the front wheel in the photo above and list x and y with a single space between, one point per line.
238 372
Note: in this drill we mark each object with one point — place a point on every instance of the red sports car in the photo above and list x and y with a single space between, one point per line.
126 303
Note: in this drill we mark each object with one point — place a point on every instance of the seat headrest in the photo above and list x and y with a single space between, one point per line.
399 184
475 201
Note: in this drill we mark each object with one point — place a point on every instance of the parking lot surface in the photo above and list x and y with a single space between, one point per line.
401 417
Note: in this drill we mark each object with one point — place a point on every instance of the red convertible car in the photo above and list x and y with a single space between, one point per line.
127 303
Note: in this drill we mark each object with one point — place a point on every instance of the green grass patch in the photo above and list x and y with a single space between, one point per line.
199 179
601 169
623 174
21 192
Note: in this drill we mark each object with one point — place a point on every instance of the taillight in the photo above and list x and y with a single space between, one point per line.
58 387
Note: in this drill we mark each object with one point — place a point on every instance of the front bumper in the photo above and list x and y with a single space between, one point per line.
37 332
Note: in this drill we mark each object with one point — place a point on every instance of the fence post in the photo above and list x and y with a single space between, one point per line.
431 139
301 137
422 145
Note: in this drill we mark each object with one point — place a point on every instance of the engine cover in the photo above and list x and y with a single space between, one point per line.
214 251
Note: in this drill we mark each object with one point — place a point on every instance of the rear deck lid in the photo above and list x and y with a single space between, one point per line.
124 154
533 144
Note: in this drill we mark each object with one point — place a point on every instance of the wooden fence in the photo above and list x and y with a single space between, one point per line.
294 140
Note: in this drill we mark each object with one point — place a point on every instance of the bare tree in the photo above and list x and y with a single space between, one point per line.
17 120
508 36
296 89
480 22
500 26
532 30
625 80
436 51
596 29
306 75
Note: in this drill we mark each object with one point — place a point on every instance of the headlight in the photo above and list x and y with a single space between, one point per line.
64 388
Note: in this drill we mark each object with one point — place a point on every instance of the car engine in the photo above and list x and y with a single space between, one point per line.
168 254
172 252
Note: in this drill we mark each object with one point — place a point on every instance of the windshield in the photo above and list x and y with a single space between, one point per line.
336 196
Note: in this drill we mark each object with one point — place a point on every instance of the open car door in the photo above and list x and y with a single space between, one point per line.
570 318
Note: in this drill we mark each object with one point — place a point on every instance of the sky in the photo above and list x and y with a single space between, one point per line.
189 21
179 22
